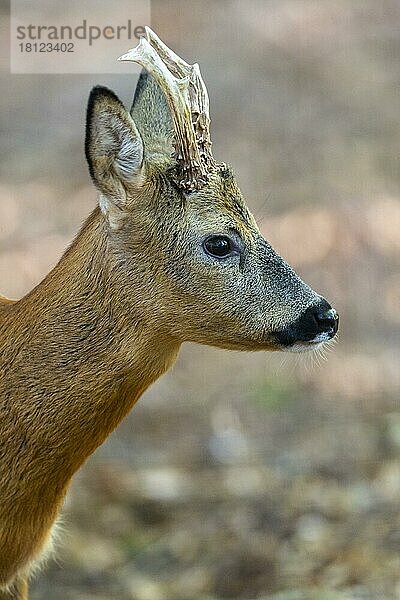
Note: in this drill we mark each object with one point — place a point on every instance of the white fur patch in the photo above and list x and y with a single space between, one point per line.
302 346
130 157
103 203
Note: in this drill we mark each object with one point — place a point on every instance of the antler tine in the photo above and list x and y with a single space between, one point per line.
202 115
187 97
176 64
200 105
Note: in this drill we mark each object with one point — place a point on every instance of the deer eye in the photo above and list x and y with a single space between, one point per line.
219 246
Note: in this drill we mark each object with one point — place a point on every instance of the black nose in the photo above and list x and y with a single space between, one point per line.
318 323
327 320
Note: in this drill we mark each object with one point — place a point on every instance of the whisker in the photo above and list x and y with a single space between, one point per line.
260 211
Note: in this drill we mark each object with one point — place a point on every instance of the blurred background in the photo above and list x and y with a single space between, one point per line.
244 476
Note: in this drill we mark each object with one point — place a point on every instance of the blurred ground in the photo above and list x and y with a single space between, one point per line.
244 476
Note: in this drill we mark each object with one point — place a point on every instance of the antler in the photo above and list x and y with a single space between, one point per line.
187 97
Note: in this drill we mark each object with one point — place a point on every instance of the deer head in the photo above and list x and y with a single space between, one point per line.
177 225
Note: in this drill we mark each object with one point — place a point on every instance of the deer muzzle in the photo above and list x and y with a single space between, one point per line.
318 323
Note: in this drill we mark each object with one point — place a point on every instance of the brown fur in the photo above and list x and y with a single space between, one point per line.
18 591
79 350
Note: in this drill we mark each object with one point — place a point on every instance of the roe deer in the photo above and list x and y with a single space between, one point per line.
171 254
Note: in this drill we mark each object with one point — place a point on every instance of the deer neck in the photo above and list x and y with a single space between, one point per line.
83 360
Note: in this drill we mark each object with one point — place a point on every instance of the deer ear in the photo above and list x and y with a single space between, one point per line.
113 147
